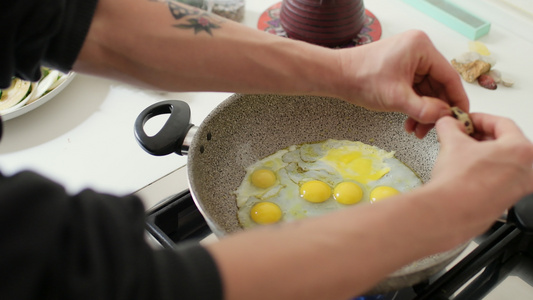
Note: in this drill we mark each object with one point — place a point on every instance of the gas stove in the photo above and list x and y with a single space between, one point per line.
497 265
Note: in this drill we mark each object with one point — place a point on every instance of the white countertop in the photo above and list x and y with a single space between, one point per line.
83 137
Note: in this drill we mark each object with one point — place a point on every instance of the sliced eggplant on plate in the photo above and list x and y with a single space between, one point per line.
22 93
16 93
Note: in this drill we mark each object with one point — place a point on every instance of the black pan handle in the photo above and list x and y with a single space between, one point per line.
171 136
1 127
521 214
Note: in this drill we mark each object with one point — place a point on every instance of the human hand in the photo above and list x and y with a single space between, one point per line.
490 171
403 73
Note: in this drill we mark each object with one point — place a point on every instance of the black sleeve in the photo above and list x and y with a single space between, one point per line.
90 246
37 33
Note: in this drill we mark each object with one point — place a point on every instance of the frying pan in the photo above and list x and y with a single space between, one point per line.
247 128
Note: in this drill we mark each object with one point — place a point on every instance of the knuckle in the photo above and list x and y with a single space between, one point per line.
418 34
524 151
509 122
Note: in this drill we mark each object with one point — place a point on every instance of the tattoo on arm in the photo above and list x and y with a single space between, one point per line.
193 18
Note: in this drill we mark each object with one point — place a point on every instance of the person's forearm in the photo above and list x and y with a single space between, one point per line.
154 46
173 47
340 255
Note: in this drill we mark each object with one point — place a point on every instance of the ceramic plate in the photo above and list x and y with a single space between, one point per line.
42 100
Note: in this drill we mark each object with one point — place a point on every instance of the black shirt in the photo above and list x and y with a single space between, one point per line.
38 33
90 245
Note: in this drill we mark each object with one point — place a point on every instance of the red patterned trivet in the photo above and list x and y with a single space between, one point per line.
269 21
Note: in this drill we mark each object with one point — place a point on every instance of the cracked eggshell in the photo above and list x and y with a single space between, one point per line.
462 116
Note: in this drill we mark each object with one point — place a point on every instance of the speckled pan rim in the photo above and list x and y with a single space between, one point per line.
233 119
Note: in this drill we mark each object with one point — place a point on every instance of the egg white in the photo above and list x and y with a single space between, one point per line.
298 164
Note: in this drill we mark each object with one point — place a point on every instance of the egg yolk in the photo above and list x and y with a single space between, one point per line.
348 193
315 191
362 164
263 178
382 192
265 213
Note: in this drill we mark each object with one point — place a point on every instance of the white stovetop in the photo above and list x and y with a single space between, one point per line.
84 136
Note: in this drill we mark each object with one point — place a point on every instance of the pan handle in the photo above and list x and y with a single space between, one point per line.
171 136
521 214
1 127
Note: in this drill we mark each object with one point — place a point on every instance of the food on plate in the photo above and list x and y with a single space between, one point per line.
477 65
472 70
478 47
507 82
11 96
470 56
487 81
22 92
311 179
462 116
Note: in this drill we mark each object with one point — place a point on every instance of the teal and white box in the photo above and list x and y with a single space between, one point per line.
453 16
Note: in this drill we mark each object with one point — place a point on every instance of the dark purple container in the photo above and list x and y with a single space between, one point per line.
329 23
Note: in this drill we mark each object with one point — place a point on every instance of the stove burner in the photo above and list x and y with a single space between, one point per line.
504 253
177 220
505 247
